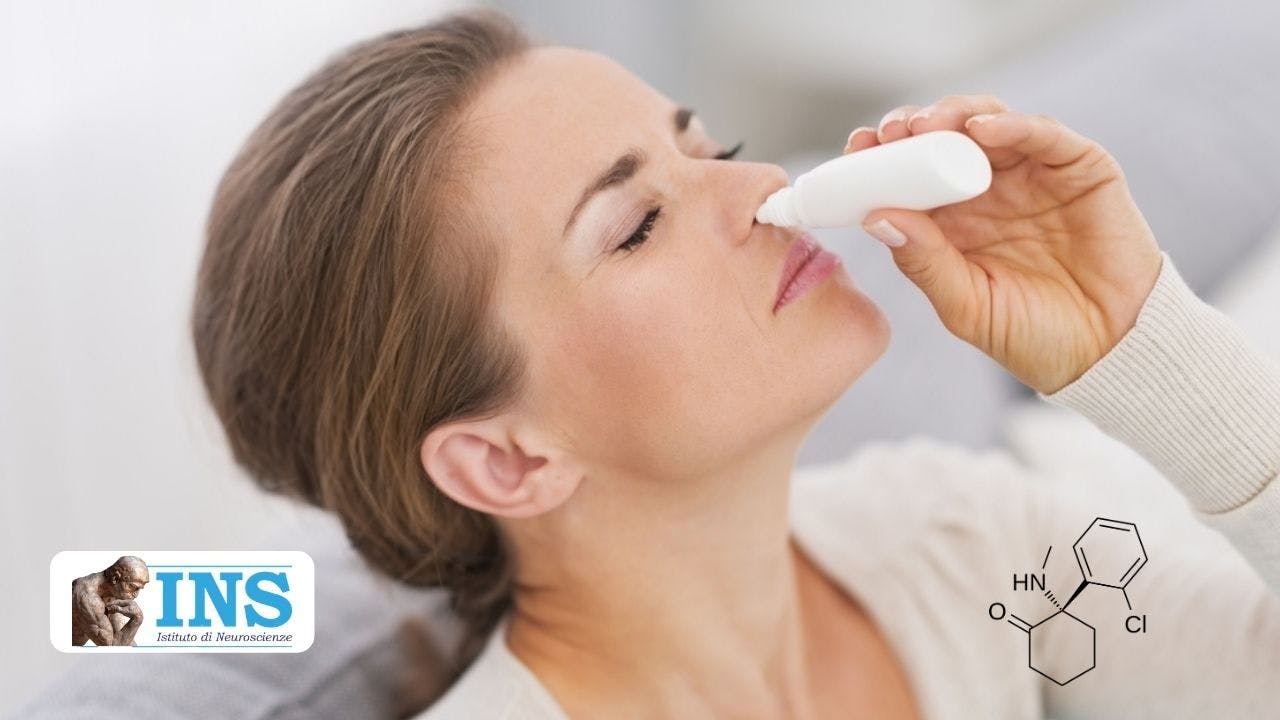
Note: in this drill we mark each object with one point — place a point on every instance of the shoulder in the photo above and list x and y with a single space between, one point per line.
907 458
890 499
83 595
918 476
496 685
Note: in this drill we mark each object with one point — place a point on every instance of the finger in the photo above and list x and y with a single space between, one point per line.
860 139
950 112
1038 137
953 111
893 126
932 263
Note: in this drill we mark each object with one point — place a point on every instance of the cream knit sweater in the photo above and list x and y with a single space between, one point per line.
929 535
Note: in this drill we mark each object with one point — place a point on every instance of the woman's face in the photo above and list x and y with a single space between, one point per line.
665 359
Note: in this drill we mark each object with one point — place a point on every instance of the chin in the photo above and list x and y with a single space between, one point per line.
855 333
836 335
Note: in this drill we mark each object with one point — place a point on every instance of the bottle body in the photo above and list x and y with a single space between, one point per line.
921 172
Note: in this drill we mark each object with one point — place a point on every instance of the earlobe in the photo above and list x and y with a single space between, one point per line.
479 464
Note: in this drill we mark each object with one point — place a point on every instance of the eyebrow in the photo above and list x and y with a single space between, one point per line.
624 168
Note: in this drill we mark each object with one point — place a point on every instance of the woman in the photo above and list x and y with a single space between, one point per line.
505 310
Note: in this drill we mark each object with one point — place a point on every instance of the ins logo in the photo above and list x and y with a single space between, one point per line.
221 594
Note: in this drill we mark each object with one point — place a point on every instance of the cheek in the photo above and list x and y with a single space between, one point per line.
629 347
652 365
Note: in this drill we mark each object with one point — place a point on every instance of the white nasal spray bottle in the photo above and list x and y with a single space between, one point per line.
920 172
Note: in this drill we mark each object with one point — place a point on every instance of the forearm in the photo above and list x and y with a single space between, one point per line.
1189 392
128 631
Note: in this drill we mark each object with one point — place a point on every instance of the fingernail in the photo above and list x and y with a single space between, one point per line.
892 116
920 114
976 119
885 232
849 142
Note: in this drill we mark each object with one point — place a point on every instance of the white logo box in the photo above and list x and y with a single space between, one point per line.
228 574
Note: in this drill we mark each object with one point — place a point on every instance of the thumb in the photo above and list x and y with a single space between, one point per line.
927 258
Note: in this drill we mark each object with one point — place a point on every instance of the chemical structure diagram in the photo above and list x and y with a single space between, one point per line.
1063 647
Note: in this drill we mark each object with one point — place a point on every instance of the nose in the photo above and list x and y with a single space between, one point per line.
748 185
773 178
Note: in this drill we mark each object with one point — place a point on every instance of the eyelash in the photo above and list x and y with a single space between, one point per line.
646 226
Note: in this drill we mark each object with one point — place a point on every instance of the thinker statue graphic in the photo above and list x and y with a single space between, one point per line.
103 608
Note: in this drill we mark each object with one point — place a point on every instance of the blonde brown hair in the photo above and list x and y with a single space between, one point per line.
342 309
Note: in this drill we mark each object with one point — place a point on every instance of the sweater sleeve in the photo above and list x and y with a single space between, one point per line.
1186 390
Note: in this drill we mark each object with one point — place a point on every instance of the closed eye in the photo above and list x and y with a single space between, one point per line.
642 231
728 154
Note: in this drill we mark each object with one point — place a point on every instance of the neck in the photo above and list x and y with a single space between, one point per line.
682 598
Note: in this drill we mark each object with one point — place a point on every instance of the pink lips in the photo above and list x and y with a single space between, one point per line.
807 264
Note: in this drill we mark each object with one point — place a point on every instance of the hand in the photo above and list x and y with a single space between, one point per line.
1048 269
127 608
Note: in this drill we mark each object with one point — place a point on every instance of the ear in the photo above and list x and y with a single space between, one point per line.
481 464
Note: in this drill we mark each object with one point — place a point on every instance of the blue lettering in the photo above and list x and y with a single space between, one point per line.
224 604
257 594
169 607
